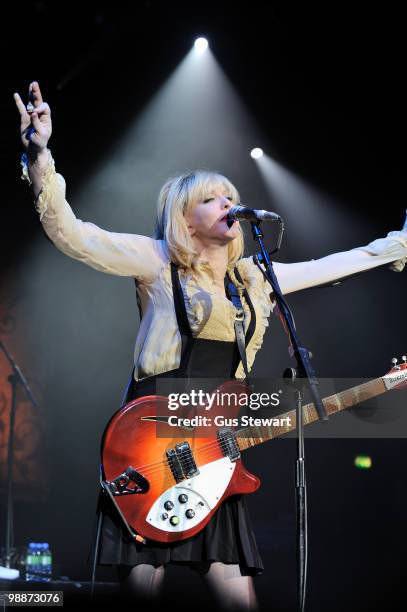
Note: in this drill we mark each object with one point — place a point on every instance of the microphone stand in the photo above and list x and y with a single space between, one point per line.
14 378
297 377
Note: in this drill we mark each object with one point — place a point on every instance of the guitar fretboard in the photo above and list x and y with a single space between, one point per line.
250 436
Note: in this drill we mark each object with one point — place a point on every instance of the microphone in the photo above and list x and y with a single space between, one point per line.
251 214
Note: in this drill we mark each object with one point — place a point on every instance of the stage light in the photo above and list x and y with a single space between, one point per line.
363 462
201 44
256 153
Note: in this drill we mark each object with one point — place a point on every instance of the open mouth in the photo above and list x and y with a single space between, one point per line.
229 221
225 218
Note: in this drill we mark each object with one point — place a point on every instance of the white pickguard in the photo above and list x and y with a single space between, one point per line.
203 490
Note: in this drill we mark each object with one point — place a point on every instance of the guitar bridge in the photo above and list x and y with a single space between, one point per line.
128 482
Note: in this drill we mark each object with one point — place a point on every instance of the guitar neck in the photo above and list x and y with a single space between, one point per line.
250 436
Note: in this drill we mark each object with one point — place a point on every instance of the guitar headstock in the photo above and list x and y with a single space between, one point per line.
396 378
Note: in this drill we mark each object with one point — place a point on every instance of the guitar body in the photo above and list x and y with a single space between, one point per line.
169 504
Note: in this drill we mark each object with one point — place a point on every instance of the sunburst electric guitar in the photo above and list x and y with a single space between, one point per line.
166 480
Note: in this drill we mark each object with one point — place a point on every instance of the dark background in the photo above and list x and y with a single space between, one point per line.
326 86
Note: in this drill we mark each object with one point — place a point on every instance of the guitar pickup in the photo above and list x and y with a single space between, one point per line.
181 461
186 458
228 444
175 465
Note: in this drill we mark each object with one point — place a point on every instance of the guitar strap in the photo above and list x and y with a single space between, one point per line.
234 296
183 323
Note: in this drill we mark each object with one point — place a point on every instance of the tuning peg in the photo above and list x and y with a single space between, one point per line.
404 358
394 362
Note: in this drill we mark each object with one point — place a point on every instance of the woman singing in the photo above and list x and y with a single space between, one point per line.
180 281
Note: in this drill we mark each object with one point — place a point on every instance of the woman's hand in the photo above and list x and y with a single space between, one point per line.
36 125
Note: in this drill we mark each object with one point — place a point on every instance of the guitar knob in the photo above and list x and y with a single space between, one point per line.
190 513
164 516
174 520
168 505
183 498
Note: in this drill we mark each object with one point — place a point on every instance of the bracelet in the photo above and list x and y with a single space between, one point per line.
25 174
24 161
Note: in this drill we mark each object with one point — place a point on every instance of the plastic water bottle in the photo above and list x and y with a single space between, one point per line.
29 561
40 556
33 562
36 565
46 562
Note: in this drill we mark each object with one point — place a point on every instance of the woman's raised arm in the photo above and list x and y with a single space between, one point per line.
114 253
36 130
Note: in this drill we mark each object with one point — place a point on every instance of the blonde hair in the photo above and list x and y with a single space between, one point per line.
177 196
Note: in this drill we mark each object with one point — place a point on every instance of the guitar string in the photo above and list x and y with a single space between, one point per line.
180 455
157 472
149 467
153 472
157 464
205 448
154 477
183 461
152 467
222 444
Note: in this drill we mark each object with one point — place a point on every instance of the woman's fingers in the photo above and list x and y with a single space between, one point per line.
42 109
21 107
34 94
35 102
36 126
36 122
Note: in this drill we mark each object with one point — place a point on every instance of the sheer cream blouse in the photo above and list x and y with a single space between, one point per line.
211 315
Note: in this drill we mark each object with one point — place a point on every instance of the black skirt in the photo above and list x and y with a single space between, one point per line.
228 537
